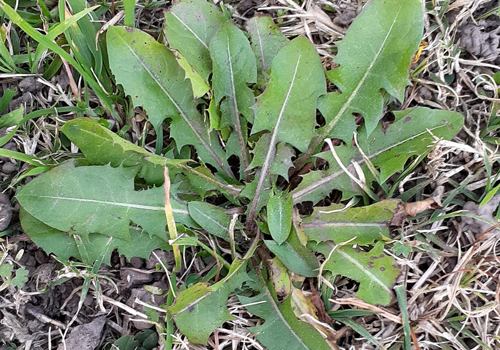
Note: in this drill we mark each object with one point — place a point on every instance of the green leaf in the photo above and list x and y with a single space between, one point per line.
151 75
281 329
266 39
5 270
287 108
200 87
189 27
357 225
382 62
148 338
129 6
97 199
234 67
295 256
127 342
21 277
102 146
489 196
360 329
48 238
64 246
279 216
6 98
203 182
282 160
249 193
387 149
375 271
211 218
401 249
200 309
13 118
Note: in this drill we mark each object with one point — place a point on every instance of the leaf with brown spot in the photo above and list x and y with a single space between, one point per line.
363 225
375 271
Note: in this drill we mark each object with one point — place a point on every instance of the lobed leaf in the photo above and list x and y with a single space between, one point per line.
200 309
375 271
189 27
411 134
152 77
375 54
281 329
102 146
287 108
97 199
64 246
234 67
266 40
282 160
200 86
362 225
203 182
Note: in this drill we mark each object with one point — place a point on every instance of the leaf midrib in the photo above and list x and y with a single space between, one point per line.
299 194
190 30
117 204
364 270
181 112
272 144
326 131
236 114
322 224
279 315
212 221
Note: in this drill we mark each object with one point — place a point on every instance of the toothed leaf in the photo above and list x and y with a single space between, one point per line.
234 67
189 27
97 199
387 149
375 271
152 77
200 309
267 40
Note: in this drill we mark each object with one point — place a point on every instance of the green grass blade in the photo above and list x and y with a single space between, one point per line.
22 157
360 330
42 39
5 54
6 98
401 295
60 28
129 13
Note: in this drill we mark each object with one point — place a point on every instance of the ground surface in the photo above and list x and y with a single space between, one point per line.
451 276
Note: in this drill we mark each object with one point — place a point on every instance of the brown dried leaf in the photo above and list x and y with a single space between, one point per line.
415 208
304 309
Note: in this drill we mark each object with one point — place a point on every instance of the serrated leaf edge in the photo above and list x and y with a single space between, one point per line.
272 147
219 162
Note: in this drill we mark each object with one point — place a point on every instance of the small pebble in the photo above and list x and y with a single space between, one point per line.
8 167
